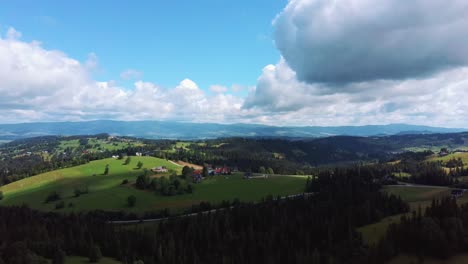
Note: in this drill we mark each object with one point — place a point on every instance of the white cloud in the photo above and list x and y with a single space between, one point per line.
92 62
38 84
13 34
46 85
363 40
131 74
355 62
218 88
435 100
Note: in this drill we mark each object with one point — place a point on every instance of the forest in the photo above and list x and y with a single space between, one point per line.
318 228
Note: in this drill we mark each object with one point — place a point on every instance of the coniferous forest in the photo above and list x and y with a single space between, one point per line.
315 228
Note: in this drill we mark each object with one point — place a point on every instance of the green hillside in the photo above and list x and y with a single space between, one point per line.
107 192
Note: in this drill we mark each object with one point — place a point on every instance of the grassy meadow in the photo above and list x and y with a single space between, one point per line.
85 260
106 191
417 197
459 259
462 155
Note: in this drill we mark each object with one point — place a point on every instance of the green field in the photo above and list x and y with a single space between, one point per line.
401 174
417 197
107 193
460 259
456 155
84 260
98 144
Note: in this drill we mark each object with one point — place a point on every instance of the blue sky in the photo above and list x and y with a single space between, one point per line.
210 42
283 63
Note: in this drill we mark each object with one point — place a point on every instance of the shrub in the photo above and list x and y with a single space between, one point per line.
125 182
81 190
94 254
131 200
52 197
60 205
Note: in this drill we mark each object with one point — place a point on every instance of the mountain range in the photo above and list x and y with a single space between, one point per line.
183 130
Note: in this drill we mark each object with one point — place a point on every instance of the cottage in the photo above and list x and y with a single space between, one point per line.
456 193
197 176
159 169
222 171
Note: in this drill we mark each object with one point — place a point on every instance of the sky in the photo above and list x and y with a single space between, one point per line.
284 63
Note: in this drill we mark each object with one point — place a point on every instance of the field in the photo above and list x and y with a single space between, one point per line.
83 260
401 174
106 191
460 259
417 197
456 155
98 144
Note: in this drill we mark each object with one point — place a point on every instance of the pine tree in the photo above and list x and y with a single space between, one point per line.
94 254
106 170
59 257
131 200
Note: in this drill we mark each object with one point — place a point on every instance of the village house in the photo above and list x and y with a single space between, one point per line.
222 171
159 169
197 176
456 193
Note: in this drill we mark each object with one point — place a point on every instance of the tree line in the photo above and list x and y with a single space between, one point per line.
318 228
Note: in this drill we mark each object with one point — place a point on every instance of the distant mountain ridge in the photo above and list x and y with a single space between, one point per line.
181 130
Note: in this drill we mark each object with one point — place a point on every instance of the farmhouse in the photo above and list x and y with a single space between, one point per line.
222 171
159 169
197 176
456 193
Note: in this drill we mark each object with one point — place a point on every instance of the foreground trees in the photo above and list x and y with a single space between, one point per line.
318 228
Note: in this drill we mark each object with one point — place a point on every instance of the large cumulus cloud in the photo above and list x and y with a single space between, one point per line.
37 84
342 41
355 62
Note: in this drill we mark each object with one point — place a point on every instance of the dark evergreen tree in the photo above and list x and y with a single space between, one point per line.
106 170
131 200
59 256
94 254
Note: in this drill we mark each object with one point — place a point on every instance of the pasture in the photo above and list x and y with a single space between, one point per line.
417 197
462 155
84 260
107 193
403 259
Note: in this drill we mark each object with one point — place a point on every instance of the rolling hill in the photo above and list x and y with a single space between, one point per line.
107 192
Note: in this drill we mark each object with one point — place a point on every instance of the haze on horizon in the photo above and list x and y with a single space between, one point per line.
295 63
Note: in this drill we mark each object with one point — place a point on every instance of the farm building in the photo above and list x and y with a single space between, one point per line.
457 193
159 169
222 171
197 176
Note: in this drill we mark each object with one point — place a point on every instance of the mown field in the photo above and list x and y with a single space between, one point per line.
462 155
417 197
106 191
98 144
84 260
460 259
